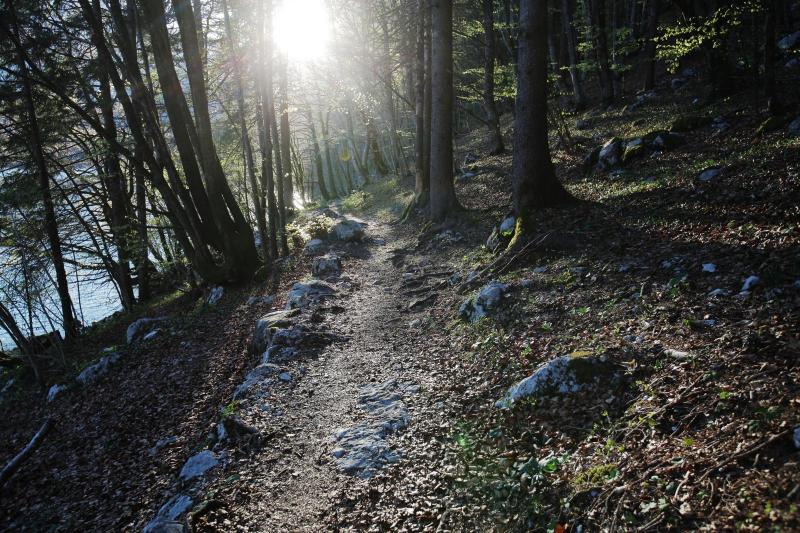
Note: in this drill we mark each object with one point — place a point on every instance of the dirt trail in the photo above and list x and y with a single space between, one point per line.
292 483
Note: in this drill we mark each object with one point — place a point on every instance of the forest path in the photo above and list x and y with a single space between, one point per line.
292 484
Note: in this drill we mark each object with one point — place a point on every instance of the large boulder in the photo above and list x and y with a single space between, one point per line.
93 372
562 375
484 302
267 325
326 265
215 295
304 293
142 327
348 230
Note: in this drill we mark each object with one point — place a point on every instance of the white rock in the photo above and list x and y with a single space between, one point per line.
255 376
54 391
717 293
750 282
267 325
487 300
285 377
93 372
327 265
709 267
260 300
564 374
348 230
199 464
304 293
151 335
140 327
215 295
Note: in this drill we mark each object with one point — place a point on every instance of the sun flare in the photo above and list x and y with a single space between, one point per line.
302 29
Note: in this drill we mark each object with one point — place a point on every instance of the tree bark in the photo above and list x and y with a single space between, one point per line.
567 17
286 150
496 146
534 180
421 181
650 45
598 17
443 197
323 190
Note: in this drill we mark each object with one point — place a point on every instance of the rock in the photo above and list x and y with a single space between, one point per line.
792 64
501 235
260 300
141 327
255 376
709 267
464 177
232 429
790 41
348 230
591 159
304 293
709 174
794 127
797 437
362 449
314 246
688 123
215 295
663 140
266 326
285 377
610 154
469 159
678 83
676 354
633 149
162 443
565 374
487 300
151 335
93 372
54 391
717 293
175 507
166 526
582 124
199 464
326 265
750 282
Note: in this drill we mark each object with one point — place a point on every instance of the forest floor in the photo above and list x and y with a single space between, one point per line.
696 434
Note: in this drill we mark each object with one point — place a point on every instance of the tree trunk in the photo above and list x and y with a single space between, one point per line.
69 321
323 124
598 16
650 45
489 54
534 180
567 16
286 150
443 197
773 104
323 190
421 182
267 110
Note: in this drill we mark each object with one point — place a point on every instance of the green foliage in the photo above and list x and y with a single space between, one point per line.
686 36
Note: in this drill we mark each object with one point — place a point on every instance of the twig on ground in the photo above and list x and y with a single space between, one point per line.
18 459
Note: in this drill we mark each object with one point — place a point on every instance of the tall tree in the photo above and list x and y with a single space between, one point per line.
286 141
69 322
443 196
653 10
489 55
534 181
421 175
570 43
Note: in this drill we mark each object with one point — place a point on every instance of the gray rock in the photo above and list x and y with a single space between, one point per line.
215 295
54 391
199 464
314 246
709 267
563 375
709 174
162 443
254 377
348 230
165 526
150 335
267 325
304 293
260 300
507 226
362 449
285 377
790 41
93 372
141 327
750 282
610 154
718 293
794 127
174 508
484 302
326 265
797 437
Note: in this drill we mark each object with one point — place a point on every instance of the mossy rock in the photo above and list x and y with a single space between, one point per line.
632 152
687 123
